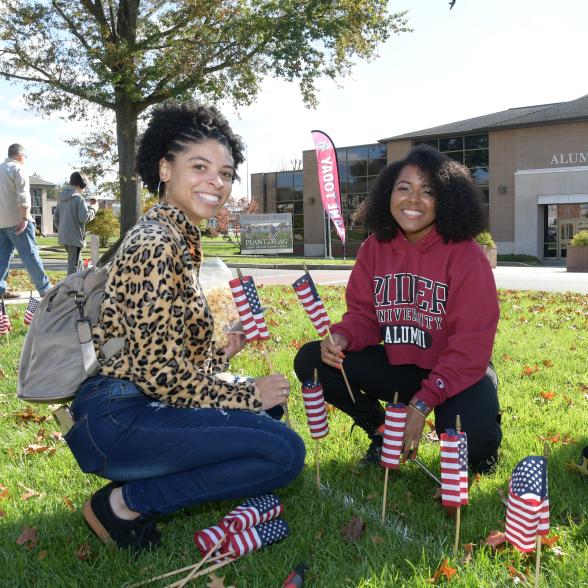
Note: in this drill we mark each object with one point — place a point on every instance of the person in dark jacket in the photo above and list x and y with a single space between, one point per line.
70 218
422 312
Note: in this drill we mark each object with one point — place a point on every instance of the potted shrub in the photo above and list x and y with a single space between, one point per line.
486 242
577 253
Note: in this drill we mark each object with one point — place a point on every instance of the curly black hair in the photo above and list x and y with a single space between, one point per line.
172 128
457 198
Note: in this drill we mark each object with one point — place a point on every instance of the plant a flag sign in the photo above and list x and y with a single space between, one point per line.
454 468
328 175
527 514
312 303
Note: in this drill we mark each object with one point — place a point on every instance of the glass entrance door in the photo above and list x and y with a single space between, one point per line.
566 232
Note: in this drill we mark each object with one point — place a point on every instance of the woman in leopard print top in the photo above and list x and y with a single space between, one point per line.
161 420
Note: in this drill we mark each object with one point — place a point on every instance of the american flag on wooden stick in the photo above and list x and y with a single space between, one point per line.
527 514
454 468
207 538
312 303
249 308
257 537
5 325
252 512
393 435
30 311
314 406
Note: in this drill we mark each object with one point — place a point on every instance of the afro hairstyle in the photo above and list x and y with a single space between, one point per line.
458 200
172 127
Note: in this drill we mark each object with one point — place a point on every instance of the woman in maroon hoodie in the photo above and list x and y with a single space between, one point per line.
422 312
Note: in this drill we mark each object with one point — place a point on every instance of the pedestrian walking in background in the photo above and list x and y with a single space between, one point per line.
17 227
70 218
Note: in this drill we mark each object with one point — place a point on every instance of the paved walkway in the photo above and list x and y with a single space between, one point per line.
551 279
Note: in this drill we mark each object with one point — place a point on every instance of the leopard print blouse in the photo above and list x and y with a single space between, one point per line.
153 299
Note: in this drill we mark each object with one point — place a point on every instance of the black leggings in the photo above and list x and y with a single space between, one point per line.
372 379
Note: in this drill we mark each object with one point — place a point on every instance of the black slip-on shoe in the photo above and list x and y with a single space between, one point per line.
373 454
138 534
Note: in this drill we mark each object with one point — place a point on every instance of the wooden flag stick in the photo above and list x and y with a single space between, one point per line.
385 494
317 459
206 558
202 572
342 370
285 403
458 512
538 541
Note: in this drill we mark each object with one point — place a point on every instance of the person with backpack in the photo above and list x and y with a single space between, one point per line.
422 313
70 217
162 419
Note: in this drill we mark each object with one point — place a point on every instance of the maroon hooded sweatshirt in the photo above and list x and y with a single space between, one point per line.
433 304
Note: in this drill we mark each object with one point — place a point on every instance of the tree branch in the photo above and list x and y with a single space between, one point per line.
97 11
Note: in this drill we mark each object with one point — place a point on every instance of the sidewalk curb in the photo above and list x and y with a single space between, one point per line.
289 266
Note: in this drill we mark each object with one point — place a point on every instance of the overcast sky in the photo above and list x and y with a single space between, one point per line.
481 57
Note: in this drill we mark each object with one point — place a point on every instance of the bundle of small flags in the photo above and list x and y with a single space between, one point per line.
312 303
249 527
5 325
394 425
249 308
30 311
527 514
454 468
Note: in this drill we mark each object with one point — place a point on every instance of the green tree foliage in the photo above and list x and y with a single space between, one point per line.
104 225
485 238
580 239
125 56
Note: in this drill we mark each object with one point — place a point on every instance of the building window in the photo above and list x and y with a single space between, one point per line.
37 206
289 199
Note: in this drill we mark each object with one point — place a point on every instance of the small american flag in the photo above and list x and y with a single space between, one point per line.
527 514
207 538
5 325
257 537
454 468
314 406
252 512
249 308
393 435
255 305
30 311
312 303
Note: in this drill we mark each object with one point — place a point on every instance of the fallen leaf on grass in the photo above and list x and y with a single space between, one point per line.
408 497
29 414
431 424
37 448
468 550
2 513
557 438
494 539
28 538
216 582
83 552
42 554
547 395
549 541
547 363
4 491
506 357
529 370
57 435
444 570
40 435
30 493
319 534
69 504
583 387
568 401
353 530
514 573
377 540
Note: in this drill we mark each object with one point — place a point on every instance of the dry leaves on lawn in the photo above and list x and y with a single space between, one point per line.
28 538
377 540
37 448
516 575
495 539
468 550
4 492
69 504
83 552
443 571
547 395
353 530
217 582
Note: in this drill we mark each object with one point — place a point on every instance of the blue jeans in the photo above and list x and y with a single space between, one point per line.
169 458
26 245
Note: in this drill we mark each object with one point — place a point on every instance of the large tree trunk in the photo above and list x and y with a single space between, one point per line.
131 206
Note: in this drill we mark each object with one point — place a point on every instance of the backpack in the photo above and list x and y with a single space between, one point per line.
58 352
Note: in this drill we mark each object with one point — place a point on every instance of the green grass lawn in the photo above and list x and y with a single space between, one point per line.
540 356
